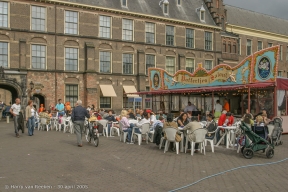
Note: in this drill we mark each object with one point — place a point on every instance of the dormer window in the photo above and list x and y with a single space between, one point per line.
124 3
179 2
165 6
201 13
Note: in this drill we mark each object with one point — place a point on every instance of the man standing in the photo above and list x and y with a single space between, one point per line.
60 108
14 110
226 105
78 117
190 107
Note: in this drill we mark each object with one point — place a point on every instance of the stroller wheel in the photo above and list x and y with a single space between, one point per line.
269 153
242 149
248 153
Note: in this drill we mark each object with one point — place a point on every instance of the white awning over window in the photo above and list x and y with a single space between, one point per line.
108 91
130 89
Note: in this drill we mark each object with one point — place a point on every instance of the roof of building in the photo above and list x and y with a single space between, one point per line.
254 20
185 12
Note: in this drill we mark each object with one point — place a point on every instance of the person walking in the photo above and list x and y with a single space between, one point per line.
78 117
14 110
30 117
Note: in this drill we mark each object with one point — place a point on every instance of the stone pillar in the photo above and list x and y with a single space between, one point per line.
22 54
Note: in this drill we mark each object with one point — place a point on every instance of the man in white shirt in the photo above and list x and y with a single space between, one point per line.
190 107
14 110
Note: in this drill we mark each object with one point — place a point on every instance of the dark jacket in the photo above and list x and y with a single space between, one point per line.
79 113
110 118
212 127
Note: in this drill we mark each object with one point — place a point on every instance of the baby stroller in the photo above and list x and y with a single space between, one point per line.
257 143
277 131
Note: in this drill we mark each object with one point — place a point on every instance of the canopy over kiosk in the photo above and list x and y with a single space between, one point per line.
252 85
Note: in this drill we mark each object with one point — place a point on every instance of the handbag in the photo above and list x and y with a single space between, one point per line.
178 138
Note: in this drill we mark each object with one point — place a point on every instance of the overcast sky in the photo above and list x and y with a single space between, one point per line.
277 8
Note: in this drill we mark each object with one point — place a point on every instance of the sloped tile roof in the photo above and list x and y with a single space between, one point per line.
254 20
185 12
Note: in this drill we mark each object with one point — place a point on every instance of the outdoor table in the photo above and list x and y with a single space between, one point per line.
227 132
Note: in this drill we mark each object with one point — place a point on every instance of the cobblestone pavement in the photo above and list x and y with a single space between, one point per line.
53 159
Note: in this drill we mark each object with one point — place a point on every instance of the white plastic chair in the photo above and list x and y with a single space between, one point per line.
105 126
170 137
152 134
43 122
145 131
69 125
211 140
125 134
62 122
199 137
113 127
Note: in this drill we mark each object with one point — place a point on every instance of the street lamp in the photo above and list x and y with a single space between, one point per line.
31 87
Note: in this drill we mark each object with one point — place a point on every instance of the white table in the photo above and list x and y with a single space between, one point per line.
227 132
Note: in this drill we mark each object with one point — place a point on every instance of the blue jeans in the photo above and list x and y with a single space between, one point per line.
129 130
109 128
218 136
61 113
31 125
137 130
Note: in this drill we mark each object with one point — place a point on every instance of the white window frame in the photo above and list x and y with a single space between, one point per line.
247 47
65 32
8 14
150 33
31 67
65 57
110 37
193 64
193 45
174 39
72 104
258 45
122 4
202 13
131 53
169 66
205 41
127 29
45 28
105 107
146 72
8 54
212 64
166 5
108 51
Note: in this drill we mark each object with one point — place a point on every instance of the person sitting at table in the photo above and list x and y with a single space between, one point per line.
146 119
171 124
183 120
161 114
192 126
92 120
204 117
211 126
228 121
218 109
131 114
259 121
190 107
265 117
110 118
126 126
152 118
226 105
181 112
44 114
222 118
247 112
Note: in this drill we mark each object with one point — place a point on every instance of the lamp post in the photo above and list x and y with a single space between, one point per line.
31 88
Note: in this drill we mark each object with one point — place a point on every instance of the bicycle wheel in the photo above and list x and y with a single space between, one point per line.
96 141
87 136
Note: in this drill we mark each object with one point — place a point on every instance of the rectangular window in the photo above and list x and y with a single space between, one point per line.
169 35
239 46
208 41
260 45
71 94
105 27
249 47
105 102
38 60
234 48
287 53
208 65
124 3
279 73
281 52
105 62
127 30
71 22
127 63
150 32
71 59
170 65
165 9
229 47
178 2
190 65
150 62
270 44
4 54
190 38
3 14
38 18
202 16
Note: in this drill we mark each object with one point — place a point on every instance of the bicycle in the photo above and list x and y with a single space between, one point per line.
92 134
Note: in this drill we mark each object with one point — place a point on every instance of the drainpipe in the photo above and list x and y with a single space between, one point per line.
55 40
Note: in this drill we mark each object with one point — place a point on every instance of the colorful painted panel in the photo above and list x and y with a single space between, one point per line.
260 67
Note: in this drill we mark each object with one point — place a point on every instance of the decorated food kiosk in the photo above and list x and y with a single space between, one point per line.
252 85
